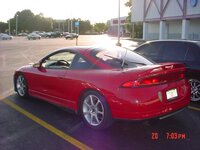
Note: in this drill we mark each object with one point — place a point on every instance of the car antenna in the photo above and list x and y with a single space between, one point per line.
123 60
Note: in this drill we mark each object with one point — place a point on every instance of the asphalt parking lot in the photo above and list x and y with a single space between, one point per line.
37 125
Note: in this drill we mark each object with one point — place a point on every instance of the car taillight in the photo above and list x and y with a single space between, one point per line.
128 84
154 80
150 81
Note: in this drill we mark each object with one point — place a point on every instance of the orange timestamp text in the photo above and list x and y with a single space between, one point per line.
168 136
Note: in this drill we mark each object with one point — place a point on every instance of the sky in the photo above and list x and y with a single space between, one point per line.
93 10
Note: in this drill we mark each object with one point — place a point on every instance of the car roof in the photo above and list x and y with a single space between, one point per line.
88 49
174 40
76 49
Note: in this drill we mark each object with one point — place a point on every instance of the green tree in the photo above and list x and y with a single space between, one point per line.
100 27
42 24
85 26
128 3
3 27
138 30
137 33
129 25
25 20
28 22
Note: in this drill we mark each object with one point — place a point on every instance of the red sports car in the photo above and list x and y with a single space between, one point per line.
103 84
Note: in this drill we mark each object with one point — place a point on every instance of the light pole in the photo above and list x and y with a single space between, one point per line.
71 26
118 34
59 26
63 26
68 25
9 26
78 26
16 24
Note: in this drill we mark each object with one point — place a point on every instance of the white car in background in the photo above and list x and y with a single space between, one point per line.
4 36
71 35
33 36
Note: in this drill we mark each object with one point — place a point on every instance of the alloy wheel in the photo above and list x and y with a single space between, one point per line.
195 89
93 110
21 85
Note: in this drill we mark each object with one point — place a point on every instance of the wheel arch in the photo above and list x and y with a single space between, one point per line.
83 93
24 84
107 119
15 76
14 79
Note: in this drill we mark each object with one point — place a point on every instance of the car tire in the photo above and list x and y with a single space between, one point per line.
21 85
95 111
195 89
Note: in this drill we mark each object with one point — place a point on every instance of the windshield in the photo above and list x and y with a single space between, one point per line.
120 58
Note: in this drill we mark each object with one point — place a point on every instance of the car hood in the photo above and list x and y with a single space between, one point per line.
25 68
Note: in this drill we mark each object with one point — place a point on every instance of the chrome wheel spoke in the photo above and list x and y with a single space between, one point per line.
91 100
21 85
97 103
100 112
91 119
195 89
86 113
87 105
93 110
97 119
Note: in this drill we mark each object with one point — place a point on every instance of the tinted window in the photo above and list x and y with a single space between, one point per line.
150 50
115 57
193 53
61 60
80 63
174 51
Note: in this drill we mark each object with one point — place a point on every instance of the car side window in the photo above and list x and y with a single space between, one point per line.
193 53
80 63
150 50
61 60
174 51
142 49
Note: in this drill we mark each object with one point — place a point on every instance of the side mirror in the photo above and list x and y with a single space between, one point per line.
36 65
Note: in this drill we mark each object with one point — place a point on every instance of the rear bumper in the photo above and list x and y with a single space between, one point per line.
171 114
145 103
160 113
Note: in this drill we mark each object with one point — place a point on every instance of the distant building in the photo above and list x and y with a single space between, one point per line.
168 19
113 27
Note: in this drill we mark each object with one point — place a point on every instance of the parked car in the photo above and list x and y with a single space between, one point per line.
33 36
4 36
22 34
105 83
65 33
48 34
71 36
42 34
53 34
182 51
